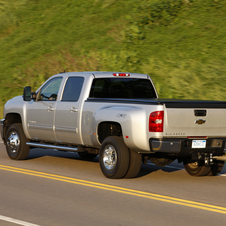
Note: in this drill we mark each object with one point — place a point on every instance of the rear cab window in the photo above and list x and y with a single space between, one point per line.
133 88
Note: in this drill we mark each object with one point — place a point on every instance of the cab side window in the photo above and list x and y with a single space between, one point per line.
50 90
73 89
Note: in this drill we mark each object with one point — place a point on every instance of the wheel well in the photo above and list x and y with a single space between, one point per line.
106 129
10 119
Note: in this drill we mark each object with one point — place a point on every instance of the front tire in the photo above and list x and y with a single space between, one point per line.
16 142
114 157
194 169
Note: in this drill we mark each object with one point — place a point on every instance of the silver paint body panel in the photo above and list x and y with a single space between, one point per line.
181 123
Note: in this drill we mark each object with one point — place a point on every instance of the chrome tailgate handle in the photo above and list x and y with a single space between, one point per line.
50 108
200 112
73 109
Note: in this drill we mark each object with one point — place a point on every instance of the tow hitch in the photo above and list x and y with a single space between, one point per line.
208 160
206 157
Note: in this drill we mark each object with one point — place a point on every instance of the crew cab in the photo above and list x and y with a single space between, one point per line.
119 117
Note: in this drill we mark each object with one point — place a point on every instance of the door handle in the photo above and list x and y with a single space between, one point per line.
73 109
50 108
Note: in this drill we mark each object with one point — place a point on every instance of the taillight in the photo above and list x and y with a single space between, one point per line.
121 74
156 121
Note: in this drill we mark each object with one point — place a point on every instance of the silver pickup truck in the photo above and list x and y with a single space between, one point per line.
119 117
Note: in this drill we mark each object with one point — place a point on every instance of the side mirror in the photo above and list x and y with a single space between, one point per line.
27 93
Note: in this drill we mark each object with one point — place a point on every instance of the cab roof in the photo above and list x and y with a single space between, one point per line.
102 74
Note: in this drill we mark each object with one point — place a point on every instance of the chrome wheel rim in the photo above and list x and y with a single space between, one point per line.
13 142
110 157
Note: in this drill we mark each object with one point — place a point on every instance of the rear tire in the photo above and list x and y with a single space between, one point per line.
16 142
216 168
114 157
196 170
134 164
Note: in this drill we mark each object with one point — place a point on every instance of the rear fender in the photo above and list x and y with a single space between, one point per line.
133 122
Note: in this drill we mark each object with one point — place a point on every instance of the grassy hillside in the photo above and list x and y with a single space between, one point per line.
181 44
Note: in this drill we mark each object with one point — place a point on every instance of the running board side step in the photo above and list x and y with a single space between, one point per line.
58 147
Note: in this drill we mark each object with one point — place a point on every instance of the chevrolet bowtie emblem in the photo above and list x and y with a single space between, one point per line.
200 121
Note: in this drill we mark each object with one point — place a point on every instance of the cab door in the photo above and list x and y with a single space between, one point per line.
68 112
40 113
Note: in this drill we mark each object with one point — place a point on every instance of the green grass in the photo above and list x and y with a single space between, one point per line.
181 44
1 110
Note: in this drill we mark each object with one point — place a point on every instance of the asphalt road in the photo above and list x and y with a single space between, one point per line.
57 188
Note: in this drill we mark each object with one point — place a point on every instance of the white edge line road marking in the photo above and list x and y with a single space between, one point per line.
173 167
15 221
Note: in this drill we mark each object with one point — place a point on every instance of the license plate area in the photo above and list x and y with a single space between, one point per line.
198 144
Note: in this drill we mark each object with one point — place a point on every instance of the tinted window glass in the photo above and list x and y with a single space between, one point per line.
122 88
73 89
50 90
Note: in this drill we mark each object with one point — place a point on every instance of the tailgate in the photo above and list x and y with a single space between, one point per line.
184 122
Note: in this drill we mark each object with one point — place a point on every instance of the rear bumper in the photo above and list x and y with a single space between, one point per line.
184 146
2 128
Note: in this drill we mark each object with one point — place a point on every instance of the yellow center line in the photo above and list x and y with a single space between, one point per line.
122 190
